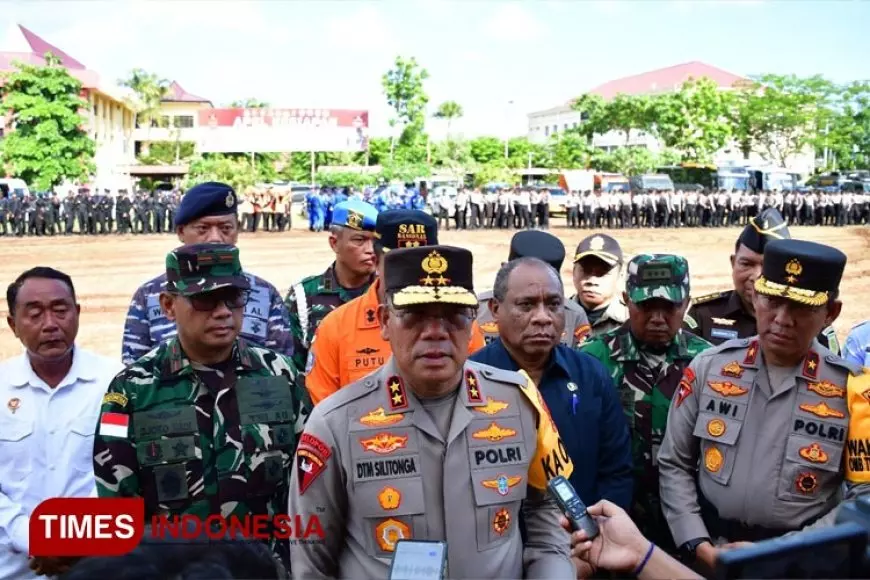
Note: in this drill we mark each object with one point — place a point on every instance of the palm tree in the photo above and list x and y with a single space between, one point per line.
150 91
448 111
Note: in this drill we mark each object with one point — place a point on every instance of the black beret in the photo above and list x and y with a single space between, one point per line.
538 244
206 199
405 228
767 226
802 271
431 274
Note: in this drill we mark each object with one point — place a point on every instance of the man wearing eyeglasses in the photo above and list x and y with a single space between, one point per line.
431 446
205 423
208 213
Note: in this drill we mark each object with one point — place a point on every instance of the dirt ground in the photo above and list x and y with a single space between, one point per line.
107 270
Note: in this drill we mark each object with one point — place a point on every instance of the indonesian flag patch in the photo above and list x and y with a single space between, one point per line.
114 425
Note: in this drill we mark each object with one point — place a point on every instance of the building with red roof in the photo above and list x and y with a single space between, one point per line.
544 124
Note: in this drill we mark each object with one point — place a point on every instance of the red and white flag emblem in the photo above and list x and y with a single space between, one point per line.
114 425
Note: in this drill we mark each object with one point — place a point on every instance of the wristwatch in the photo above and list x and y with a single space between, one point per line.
688 549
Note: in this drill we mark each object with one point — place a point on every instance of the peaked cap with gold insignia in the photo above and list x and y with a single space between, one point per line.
430 274
802 271
767 226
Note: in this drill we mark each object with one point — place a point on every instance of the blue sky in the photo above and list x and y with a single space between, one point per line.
538 54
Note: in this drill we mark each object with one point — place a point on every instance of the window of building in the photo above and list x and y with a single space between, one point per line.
184 121
555 128
546 131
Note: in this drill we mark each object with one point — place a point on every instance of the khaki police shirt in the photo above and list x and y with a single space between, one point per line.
577 326
375 468
765 456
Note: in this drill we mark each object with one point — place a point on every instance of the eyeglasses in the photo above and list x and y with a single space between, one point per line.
450 318
208 301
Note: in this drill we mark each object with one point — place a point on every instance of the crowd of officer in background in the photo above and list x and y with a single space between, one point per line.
270 208
391 399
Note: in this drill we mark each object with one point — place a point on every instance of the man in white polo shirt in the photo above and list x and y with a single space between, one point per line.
49 400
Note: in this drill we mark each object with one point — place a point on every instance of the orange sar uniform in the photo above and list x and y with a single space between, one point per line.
348 346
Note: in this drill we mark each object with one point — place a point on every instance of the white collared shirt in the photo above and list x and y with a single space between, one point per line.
46 444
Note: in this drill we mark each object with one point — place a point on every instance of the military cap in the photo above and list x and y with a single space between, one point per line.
767 226
206 199
355 215
427 275
405 228
602 247
657 276
537 244
802 271
198 268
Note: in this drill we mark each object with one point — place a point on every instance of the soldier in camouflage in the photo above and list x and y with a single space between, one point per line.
205 423
207 213
351 237
646 357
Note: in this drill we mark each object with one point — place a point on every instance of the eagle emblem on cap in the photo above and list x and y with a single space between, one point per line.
354 220
229 200
793 268
434 264
596 243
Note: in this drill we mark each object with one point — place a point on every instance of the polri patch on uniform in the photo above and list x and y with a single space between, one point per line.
806 483
727 388
472 387
311 457
752 353
685 386
713 459
389 532
390 498
116 398
501 521
397 394
827 389
732 369
114 425
811 365
822 410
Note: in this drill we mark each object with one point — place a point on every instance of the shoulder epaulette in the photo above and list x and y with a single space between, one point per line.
499 375
853 368
709 297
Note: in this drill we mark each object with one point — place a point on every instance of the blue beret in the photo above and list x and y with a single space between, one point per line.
206 199
356 215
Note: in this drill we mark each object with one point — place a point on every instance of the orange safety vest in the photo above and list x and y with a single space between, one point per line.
348 346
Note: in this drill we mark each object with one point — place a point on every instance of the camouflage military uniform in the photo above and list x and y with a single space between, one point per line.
308 302
646 382
202 440
265 322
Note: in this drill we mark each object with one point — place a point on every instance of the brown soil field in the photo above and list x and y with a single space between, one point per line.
107 270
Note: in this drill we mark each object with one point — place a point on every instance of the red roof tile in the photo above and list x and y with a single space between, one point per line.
665 80
179 95
40 47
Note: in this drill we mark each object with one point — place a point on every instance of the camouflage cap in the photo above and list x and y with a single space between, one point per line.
657 276
198 268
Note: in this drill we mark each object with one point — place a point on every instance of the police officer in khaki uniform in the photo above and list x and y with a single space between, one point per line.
760 424
546 247
726 315
431 446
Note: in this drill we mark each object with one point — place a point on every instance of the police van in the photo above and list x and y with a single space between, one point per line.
13 188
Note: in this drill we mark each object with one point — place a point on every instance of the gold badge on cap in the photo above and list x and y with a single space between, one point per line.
354 220
435 264
229 200
13 404
793 268
596 243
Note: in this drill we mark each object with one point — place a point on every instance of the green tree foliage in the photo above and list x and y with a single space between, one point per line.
150 90
47 144
694 120
233 169
448 111
570 151
249 103
628 161
486 150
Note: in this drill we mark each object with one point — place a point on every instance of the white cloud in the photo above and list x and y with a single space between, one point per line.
512 21
364 29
